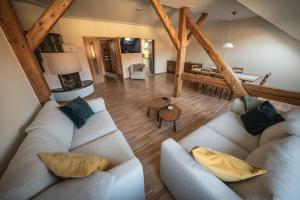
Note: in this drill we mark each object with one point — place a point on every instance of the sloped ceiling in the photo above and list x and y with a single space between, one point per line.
285 14
125 10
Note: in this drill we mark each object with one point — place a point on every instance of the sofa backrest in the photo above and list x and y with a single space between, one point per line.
26 175
282 161
56 123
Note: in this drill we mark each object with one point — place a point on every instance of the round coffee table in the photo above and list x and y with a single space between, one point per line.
169 115
158 103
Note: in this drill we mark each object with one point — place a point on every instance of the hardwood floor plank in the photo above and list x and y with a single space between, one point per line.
127 104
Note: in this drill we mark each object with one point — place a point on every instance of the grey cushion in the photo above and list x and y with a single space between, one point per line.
94 187
231 127
26 175
56 123
96 126
291 126
282 161
113 147
207 137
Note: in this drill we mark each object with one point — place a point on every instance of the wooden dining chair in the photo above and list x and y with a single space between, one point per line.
264 80
238 69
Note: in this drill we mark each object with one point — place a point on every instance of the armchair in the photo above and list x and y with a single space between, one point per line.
137 71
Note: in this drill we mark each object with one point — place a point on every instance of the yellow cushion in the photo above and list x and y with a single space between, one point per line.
226 167
71 165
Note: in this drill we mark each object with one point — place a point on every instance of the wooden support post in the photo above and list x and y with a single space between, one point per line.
229 76
42 26
15 36
160 11
199 22
182 33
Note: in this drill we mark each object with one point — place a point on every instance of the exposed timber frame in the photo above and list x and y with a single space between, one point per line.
189 28
23 46
229 75
185 22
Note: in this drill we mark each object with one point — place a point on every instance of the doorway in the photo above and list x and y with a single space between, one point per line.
148 54
104 56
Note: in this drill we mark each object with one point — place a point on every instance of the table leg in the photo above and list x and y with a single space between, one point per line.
174 128
158 115
148 114
160 121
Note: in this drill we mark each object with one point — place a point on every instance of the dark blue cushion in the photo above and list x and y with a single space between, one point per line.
261 117
78 110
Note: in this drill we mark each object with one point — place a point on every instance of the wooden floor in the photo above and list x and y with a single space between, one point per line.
127 104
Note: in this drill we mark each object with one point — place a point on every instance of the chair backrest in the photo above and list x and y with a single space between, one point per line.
264 80
238 69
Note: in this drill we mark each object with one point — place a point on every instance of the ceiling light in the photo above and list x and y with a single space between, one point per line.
127 39
228 44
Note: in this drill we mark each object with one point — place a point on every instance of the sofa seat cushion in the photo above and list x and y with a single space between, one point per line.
95 187
113 147
206 137
96 126
231 127
26 175
56 123
282 161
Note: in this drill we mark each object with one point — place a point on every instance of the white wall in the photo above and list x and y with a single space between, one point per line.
74 29
18 102
259 46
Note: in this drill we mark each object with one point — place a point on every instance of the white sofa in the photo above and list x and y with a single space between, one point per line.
27 177
277 150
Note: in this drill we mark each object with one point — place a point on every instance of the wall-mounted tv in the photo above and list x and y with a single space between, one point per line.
130 45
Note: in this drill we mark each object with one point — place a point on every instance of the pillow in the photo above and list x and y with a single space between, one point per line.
260 118
226 167
291 126
51 119
95 187
72 165
250 102
78 110
26 175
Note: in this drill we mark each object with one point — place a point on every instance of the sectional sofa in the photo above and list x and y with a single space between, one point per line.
27 177
277 150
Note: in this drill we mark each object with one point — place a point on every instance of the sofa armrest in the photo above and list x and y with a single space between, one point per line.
186 179
97 104
129 183
96 186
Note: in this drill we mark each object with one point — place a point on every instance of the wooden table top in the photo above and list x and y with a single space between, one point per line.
159 102
169 115
241 76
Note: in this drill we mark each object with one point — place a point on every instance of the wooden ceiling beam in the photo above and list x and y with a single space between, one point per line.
198 22
181 52
229 75
43 25
160 11
12 29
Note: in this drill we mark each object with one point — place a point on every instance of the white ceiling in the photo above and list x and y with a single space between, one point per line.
285 14
125 10
217 9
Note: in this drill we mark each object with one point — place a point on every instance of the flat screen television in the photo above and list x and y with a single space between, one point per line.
130 45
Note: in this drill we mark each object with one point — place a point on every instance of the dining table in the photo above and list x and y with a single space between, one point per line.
242 76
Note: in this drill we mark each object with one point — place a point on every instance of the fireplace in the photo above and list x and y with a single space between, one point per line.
70 81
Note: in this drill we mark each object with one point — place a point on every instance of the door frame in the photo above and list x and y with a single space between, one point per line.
99 61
